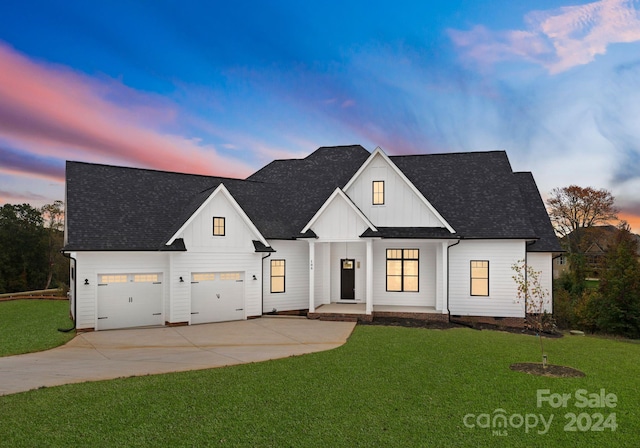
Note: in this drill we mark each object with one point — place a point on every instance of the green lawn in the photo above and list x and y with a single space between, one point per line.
32 325
387 386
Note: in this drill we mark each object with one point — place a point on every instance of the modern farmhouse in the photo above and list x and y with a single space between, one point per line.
430 234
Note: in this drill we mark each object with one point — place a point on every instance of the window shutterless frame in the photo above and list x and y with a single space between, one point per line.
218 226
377 192
479 274
278 276
403 270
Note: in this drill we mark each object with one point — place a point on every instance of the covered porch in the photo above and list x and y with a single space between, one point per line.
361 277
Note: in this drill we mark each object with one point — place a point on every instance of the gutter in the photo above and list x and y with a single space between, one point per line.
262 285
448 289
75 292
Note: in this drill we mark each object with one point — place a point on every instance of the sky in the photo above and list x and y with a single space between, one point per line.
223 88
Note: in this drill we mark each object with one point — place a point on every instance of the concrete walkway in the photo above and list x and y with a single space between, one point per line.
105 355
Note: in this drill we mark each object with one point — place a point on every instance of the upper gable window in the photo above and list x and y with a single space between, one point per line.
378 192
218 226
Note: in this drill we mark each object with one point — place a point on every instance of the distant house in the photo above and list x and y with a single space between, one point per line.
593 244
432 234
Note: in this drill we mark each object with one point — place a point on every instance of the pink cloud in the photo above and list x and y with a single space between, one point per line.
557 39
53 111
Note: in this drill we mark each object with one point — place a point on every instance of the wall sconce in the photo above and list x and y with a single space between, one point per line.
254 277
181 280
86 281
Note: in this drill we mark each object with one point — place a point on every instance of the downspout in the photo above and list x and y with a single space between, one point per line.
262 285
448 289
75 292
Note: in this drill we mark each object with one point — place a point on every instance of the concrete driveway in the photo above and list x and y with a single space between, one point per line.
105 355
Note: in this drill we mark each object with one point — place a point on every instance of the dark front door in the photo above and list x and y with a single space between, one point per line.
347 279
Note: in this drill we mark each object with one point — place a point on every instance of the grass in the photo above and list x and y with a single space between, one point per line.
387 386
32 325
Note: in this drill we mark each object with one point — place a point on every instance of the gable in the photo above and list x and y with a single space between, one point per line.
338 220
403 206
198 231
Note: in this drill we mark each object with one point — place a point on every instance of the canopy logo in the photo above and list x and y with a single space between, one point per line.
499 422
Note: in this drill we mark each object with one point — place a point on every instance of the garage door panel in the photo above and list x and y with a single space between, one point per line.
129 300
217 297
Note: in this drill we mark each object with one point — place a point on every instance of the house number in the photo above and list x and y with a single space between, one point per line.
311 264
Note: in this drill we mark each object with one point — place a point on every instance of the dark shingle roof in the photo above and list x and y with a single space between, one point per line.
115 208
409 232
547 242
474 192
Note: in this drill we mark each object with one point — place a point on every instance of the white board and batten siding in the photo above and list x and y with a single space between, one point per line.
208 253
402 206
296 293
92 265
543 262
339 222
502 299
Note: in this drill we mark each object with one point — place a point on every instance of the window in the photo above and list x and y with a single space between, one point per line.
230 276
402 270
203 277
479 278
113 279
218 226
277 275
378 192
145 278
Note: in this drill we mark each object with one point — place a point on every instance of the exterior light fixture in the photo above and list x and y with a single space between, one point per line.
86 281
181 280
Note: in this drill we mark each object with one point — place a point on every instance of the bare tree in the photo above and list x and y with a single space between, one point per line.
572 208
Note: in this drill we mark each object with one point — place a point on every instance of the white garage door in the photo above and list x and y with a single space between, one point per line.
129 300
217 296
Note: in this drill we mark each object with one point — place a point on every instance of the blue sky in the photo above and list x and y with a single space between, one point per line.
225 87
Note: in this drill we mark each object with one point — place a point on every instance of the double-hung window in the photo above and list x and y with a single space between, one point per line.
378 192
277 275
218 226
479 277
403 270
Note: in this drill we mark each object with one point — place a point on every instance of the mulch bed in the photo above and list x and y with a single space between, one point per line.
437 325
534 368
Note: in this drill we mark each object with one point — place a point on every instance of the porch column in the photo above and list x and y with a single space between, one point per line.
445 277
369 279
312 255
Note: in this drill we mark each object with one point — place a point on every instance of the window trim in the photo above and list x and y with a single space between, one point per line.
283 276
402 274
472 278
373 192
224 226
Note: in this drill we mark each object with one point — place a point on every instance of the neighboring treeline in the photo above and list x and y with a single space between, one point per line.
30 243
610 305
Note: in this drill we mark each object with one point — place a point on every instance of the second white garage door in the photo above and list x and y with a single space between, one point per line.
217 297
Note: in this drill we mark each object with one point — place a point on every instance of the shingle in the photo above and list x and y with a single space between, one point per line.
547 242
474 192
116 208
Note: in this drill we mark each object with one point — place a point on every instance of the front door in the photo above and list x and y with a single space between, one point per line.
347 279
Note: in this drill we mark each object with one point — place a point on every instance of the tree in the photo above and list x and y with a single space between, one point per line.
617 309
22 264
53 216
573 208
536 299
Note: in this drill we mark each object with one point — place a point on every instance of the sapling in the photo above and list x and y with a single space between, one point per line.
536 299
